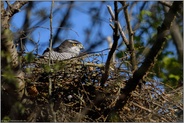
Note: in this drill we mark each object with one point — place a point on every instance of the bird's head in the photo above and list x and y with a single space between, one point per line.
70 46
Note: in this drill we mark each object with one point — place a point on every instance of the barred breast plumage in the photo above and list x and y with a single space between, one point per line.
66 50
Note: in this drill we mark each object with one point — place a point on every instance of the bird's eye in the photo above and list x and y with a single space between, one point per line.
74 44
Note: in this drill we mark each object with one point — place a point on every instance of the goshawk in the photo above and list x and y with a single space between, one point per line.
66 50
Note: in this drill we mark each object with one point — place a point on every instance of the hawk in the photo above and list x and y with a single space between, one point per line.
66 50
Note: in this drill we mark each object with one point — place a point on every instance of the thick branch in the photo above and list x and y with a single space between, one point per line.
177 37
165 3
116 38
13 87
11 10
151 57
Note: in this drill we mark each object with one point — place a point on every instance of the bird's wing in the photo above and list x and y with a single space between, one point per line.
58 56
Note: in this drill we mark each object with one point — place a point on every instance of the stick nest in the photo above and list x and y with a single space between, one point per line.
77 95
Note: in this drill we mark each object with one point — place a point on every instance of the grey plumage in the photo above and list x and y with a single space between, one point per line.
66 50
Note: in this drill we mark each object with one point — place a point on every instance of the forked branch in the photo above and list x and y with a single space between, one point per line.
116 38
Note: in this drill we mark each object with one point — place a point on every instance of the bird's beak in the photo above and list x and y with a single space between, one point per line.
81 47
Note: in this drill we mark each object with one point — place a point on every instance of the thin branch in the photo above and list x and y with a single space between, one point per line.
22 40
51 103
131 34
110 55
50 45
142 107
110 42
51 35
111 12
123 36
119 26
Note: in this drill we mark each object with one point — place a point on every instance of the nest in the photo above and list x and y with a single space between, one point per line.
68 91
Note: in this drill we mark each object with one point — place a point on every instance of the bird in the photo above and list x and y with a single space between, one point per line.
67 49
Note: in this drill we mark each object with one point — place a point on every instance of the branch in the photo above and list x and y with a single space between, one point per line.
110 43
50 45
131 34
11 10
51 103
22 35
10 61
165 3
116 38
119 26
13 83
151 57
177 37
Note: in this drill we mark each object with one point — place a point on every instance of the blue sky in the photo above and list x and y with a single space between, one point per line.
79 19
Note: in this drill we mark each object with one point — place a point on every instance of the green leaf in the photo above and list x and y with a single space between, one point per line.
144 13
6 119
119 54
29 57
176 77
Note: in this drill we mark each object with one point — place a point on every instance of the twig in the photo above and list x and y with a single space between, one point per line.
51 36
165 3
142 107
111 12
115 38
51 103
123 36
119 26
131 39
50 46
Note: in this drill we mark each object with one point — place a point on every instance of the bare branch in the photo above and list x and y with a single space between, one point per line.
110 42
51 103
111 12
131 39
110 55
123 36
119 26
51 35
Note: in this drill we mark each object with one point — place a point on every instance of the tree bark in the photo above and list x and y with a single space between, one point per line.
12 76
